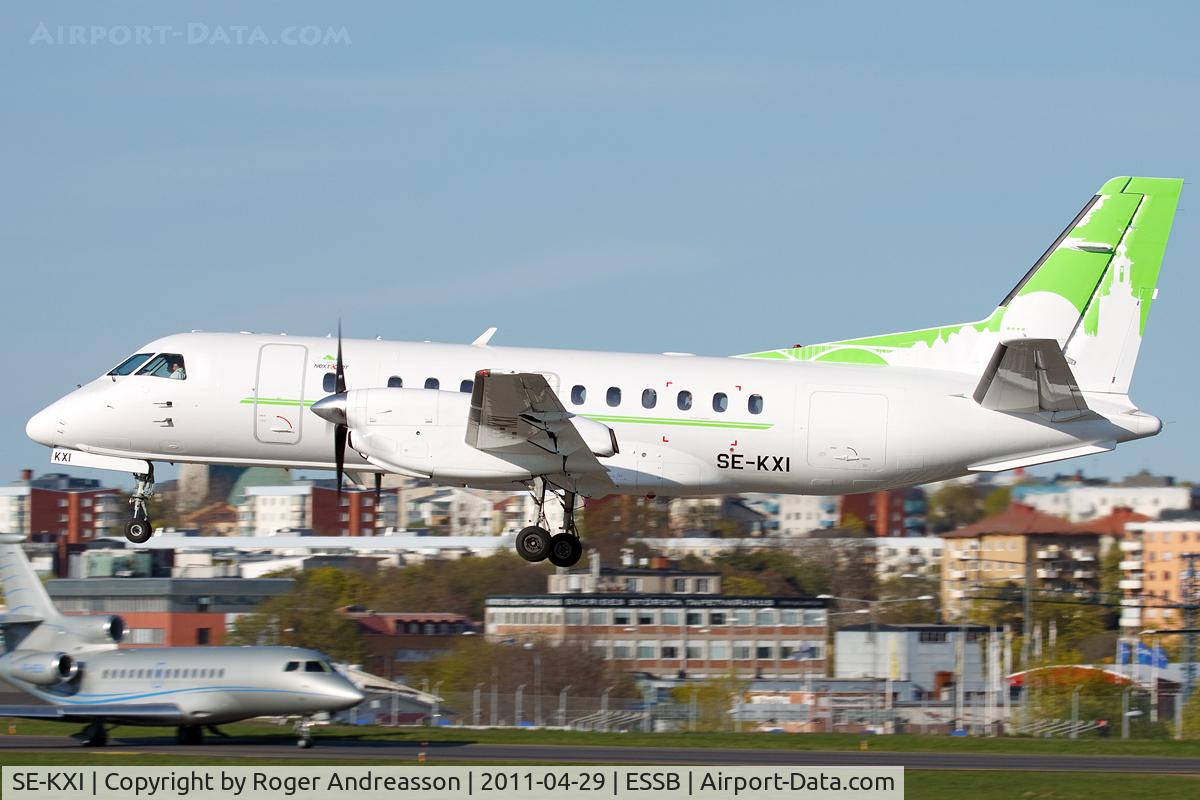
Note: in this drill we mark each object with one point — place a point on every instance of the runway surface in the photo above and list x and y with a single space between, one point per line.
332 749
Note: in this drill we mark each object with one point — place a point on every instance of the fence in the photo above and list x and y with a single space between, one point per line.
1055 712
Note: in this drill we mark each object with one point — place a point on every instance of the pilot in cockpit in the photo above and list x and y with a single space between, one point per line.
177 372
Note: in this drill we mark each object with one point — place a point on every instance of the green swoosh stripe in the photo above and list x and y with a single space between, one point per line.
276 401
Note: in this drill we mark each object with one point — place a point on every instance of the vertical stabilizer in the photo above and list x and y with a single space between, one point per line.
23 591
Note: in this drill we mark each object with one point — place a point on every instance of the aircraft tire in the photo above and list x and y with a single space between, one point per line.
533 543
189 734
304 742
565 550
138 530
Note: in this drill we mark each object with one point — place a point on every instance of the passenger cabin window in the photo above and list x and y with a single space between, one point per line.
395 382
578 395
755 404
613 397
684 400
329 383
649 398
165 365
466 386
720 402
127 366
292 666
432 383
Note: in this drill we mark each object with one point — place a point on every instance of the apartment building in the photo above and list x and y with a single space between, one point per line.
1085 503
1021 542
1154 572
65 510
314 505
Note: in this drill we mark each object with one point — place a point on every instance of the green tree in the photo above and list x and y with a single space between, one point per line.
1191 717
997 501
307 616
712 700
954 505
460 586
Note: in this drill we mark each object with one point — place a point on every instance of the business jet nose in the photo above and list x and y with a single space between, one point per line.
346 696
44 427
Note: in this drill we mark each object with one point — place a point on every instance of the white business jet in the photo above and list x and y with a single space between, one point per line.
1044 377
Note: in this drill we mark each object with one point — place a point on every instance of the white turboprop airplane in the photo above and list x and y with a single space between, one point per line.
72 664
1044 377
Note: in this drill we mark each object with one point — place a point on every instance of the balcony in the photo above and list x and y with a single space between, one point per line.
1131 618
1048 552
1084 574
1131 601
1131 565
1079 554
1133 584
957 574
957 594
1131 546
1047 574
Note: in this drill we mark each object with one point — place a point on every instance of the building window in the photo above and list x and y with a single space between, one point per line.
395 382
670 649
613 396
597 617
743 617
645 617
649 398
701 585
432 383
755 404
720 402
679 585
764 651
718 651
742 651
646 650
622 650
789 617
717 618
684 400
695 650
932 637
815 618
766 617
621 618
695 618
670 618
578 394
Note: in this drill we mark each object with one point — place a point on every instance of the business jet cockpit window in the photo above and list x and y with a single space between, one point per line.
165 365
127 366
316 666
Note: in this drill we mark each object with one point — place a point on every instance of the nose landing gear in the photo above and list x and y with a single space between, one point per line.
138 529
535 543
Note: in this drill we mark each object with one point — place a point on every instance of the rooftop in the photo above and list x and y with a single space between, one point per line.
1021 520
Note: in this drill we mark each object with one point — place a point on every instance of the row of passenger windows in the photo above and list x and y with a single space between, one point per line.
159 673
683 399
329 383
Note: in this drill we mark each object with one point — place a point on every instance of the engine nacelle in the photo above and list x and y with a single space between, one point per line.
422 432
42 668
104 629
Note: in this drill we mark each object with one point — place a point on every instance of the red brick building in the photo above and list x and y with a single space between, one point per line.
62 509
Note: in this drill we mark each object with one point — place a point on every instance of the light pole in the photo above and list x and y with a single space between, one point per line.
562 706
475 710
518 709
604 707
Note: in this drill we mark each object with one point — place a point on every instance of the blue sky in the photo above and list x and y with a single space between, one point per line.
637 176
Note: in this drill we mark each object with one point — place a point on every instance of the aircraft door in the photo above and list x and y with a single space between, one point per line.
279 393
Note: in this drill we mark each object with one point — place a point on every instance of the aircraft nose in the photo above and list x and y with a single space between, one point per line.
347 695
44 427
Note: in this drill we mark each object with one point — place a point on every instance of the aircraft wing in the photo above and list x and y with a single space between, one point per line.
139 712
518 414
1031 375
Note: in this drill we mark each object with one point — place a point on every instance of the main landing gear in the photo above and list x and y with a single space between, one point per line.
535 543
304 738
138 529
189 734
94 735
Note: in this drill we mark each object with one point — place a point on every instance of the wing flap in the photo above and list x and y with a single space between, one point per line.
139 711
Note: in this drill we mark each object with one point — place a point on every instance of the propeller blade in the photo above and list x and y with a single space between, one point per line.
341 367
340 433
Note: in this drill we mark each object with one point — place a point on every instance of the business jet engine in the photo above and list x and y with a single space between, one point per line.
39 667
104 629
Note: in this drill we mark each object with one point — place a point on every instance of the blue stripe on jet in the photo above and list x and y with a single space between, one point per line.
122 696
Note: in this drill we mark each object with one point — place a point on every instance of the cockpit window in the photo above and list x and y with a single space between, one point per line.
292 666
315 666
127 366
165 365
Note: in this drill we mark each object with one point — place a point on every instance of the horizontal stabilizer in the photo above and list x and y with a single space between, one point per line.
1030 375
1043 458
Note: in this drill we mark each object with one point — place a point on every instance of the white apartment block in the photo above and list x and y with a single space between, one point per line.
1083 503
916 555
269 509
